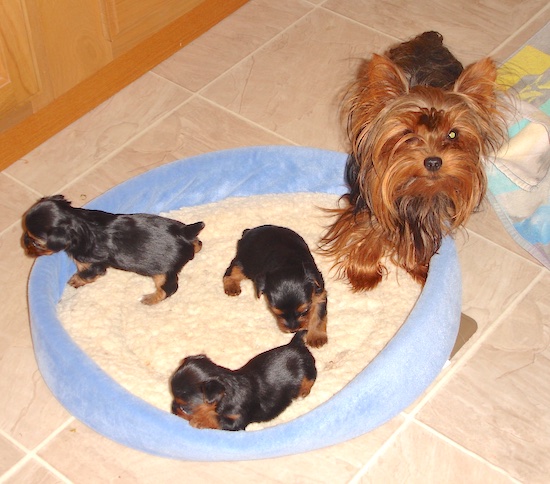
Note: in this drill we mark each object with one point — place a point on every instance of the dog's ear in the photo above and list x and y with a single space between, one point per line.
315 278
259 285
383 79
192 230
57 198
58 239
213 390
317 286
478 81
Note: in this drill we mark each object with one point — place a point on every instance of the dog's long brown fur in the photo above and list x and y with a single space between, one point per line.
418 128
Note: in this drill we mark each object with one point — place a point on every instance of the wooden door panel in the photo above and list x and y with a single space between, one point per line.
128 22
73 41
18 81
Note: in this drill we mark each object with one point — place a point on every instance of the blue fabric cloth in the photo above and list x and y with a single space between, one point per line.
389 384
519 177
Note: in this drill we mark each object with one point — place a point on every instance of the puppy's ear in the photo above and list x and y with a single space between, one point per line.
213 390
57 198
58 239
192 230
259 285
315 278
317 286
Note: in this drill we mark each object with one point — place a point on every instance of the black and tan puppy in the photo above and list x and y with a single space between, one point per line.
146 244
280 265
210 396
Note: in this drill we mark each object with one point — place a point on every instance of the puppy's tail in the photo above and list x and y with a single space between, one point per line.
298 338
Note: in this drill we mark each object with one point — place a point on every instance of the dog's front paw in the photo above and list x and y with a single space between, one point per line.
231 287
316 339
365 280
76 281
153 298
420 273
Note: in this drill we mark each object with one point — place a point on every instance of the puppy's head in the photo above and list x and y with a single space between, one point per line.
197 390
289 293
46 226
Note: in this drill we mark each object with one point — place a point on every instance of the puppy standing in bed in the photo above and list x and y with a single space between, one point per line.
142 243
210 396
280 265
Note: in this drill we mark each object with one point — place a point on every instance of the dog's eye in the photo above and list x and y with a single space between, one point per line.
36 243
303 313
452 135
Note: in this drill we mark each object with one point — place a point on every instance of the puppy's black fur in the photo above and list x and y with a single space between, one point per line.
280 265
214 397
143 243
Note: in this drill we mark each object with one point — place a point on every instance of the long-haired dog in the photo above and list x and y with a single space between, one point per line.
279 263
419 125
214 397
147 244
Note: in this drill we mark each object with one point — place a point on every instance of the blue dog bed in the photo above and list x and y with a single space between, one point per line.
390 383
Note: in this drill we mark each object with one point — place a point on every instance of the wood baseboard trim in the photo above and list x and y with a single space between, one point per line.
22 138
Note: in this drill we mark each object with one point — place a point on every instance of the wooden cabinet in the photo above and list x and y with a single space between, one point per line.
59 59
18 80
129 22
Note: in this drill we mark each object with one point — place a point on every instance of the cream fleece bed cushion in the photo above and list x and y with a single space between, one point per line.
141 346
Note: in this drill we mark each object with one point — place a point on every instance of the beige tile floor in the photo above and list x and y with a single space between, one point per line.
271 74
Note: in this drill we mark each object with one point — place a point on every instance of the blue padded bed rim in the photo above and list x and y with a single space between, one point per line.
389 384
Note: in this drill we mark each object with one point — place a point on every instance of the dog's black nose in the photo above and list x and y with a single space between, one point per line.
175 408
433 163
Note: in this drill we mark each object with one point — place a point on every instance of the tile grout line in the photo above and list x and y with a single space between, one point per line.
523 28
249 121
258 50
509 251
463 449
407 422
466 357
31 454
20 182
411 417
359 24
116 151
280 34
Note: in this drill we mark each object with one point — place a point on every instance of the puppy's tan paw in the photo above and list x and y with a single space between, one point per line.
76 281
231 287
154 298
316 339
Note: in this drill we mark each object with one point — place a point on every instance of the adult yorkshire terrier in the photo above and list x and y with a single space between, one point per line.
419 126
143 243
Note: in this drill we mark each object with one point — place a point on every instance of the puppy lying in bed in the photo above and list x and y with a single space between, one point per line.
210 396
142 243
280 265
